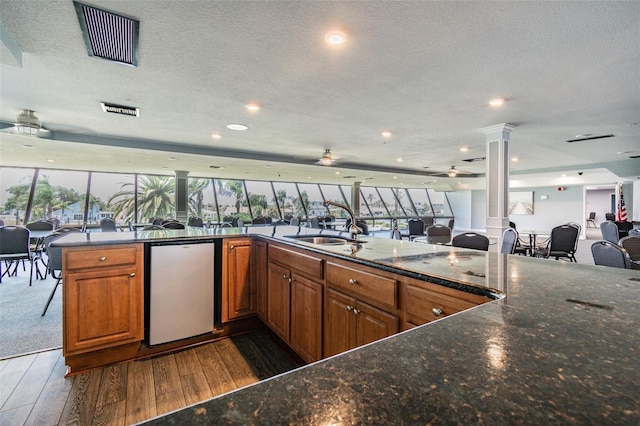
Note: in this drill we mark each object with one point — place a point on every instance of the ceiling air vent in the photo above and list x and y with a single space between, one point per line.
120 109
590 138
472 160
107 35
634 156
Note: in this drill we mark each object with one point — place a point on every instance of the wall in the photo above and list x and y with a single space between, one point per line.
460 202
599 201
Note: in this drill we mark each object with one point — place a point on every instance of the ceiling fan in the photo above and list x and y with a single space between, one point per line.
453 172
327 158
27 123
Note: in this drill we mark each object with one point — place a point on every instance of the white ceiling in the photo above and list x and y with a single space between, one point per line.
425 70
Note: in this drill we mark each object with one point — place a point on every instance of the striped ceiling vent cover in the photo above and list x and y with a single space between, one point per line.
107 35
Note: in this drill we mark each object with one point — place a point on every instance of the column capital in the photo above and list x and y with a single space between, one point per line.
498 128
181 173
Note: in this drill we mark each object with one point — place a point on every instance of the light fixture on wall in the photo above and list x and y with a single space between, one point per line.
27 123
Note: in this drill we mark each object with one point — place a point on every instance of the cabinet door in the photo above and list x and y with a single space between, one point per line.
374 324
241 296
102 309
259 272
306 318
278 289
340 323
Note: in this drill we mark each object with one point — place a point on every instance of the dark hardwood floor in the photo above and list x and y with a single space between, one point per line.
33 390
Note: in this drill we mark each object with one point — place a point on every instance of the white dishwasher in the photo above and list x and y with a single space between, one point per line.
181 301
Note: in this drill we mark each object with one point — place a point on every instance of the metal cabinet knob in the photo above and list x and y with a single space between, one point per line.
102 259
436 311
349 308
355 311
133 274
353 281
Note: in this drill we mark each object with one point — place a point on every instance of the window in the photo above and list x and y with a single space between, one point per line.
420 201
333 193
59 194
156 197
113 193
370 203
232 201
312 199
15 185
200 198
289 200
262 200
440 203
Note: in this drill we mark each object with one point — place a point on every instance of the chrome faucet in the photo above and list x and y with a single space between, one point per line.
354 230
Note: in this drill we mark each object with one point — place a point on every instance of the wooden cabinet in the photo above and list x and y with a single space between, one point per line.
426 302
259 273
350 323
294 300
361 306
238 289
103 294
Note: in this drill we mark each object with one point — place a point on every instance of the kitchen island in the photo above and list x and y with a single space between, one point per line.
562 346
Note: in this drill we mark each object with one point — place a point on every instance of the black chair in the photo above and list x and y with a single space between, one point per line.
438 234
471 240
54 263
157 221
623 229
108 225
631 244
314 222
523 247
427 220
259 220
294 221
15 246
195 221
450 224
610 216
509 241
173 224
360 223
606 253
416 228
591 220
562 243
153 228
609 232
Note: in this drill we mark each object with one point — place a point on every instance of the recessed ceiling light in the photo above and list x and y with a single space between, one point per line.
267 166
395 177
28 146
216 136
337 173
515 158
563 175
399 160
51 160
335 37
464 149
253 107
386 134
496 102
236 126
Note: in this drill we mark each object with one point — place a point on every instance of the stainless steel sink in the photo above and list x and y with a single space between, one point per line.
323 240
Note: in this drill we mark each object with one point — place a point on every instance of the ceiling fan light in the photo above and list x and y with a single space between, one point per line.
27 123
327 158
453 172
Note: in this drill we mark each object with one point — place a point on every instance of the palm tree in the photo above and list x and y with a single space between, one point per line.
156 196
196 195
232 188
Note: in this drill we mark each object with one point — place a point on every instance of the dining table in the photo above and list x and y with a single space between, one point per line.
533 238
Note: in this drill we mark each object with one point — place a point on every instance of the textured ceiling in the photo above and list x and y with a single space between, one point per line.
423 70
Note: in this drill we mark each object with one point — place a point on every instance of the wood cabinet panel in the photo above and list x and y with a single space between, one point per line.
103 308
259 272
82 258
306 318
239 291
374 324
311 266
364 283
278 302
339 323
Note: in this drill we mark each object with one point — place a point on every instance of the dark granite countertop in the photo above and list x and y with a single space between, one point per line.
563 347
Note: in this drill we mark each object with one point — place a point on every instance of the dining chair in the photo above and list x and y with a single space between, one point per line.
157 221
606 253
609 231
108 225
15 246
153 228
416 228
632 245
509 241
438 234
173 224
314 222
591 220
259 220
634 232
54 263
195 222
427 220
562 243
471 240
294 221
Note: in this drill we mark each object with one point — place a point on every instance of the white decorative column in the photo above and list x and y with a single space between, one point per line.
355 198
497 138
182 196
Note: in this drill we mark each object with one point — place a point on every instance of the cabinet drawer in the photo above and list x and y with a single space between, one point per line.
424 305
308 265
99 257
367 285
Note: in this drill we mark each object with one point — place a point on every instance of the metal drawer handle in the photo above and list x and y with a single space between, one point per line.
436 312
355 311
349 308
102 259
133 274
353 281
